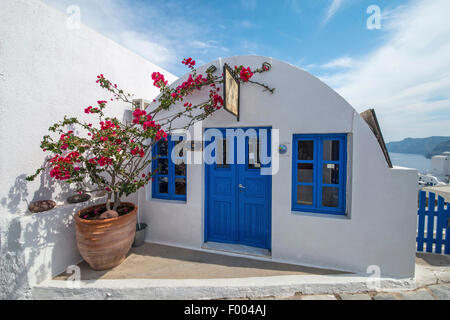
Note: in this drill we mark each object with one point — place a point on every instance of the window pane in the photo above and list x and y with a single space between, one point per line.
330 197
163 148
331 150
305 172
221 149
253 154
330 173
163 184
305 195
163 166
180 186
180 170
306 150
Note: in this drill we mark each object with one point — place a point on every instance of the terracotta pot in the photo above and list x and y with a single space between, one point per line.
104 244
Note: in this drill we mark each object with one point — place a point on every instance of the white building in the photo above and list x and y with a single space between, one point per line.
440 164
343 209
370 221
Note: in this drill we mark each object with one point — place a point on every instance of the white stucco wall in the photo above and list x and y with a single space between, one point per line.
380 226
440 165
48 71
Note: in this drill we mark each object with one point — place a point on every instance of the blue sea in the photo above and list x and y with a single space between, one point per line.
410 160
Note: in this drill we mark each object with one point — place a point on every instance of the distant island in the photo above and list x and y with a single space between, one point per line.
427 147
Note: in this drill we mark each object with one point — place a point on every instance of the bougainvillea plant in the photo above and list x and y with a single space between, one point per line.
112 155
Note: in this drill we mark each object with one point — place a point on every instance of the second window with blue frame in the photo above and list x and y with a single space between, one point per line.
169 165
319 173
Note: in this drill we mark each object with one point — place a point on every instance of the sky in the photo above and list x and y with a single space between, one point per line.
401 68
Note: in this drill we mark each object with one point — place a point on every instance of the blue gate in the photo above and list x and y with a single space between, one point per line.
433 224
237 196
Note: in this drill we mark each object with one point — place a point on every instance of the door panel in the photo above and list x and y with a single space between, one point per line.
238 200
222 222
221 207
254 200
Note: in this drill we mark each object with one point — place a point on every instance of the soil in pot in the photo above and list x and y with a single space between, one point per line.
92 213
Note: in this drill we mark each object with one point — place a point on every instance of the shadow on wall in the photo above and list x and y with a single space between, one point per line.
12 271
35 245
36 248
49 189
17 194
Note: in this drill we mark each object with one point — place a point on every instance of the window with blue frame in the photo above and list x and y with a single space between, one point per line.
319 165
170 170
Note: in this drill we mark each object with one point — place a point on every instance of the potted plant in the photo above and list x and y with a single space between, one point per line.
114 156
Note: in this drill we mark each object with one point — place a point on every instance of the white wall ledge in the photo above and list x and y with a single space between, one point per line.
166 201
345 217
215 288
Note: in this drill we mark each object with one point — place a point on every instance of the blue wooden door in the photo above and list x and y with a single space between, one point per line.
238 196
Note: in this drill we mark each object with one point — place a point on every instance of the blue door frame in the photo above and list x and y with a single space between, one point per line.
234 214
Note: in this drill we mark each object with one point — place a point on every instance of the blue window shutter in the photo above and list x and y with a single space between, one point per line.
318 162
171 176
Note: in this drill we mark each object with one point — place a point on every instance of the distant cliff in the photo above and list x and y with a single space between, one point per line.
439 149
424 146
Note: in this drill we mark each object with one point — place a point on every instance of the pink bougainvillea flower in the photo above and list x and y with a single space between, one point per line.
246 74
188 62
158 80
103 161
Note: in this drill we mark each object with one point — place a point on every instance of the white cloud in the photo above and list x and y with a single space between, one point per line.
343 62
203 44
152 51
407 79
332 9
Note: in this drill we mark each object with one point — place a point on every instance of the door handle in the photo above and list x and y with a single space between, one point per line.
241 186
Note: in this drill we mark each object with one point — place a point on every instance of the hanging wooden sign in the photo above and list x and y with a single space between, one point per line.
371 118
231 91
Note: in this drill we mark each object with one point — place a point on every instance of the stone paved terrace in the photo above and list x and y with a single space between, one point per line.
154 261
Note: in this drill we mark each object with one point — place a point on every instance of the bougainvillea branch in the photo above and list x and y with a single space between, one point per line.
113 155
